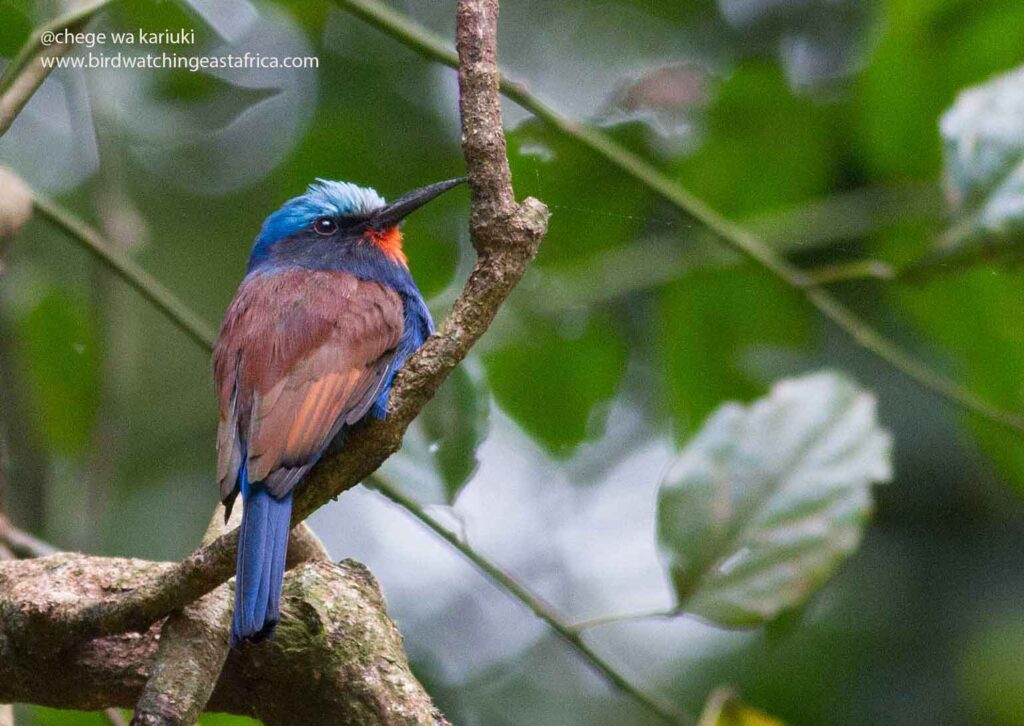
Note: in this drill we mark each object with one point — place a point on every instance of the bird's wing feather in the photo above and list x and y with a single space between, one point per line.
312 347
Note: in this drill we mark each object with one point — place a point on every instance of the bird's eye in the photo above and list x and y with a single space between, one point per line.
325 226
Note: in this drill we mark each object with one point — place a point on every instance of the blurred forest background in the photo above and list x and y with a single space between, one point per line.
815 123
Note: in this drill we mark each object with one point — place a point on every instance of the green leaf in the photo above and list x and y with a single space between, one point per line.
455 422
929 51
14 28
983 135
992 671
553 384
767 500
42 716
608 210
764 147
61 347
438 454
710 324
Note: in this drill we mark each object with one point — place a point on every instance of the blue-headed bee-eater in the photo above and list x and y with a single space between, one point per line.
326 315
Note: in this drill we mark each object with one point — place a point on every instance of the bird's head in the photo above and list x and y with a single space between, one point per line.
335 221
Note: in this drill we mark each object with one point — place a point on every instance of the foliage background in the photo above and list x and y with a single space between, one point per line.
815 120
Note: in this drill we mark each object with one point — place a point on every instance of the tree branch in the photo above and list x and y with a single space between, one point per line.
21 544
483 135
194 641
193 648
26 72
336 658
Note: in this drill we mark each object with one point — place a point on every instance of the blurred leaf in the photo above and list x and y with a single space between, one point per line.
764 147
670 99
552 383
676 88
607 210
926 54
228 139
60 342
817 41
767 500
438 455
787 623
992 672
14 28
42 716
983 134
710 322
456 422
976 318
230 19
725 709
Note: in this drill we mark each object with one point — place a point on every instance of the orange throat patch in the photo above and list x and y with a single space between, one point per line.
390 243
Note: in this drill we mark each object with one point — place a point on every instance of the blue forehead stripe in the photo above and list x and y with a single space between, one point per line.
324 198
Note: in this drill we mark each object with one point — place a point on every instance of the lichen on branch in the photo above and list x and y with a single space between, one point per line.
337 657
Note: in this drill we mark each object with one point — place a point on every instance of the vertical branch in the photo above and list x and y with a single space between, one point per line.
194 641
483 135
193 648
496 226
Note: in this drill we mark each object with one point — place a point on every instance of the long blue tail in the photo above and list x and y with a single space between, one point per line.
259 572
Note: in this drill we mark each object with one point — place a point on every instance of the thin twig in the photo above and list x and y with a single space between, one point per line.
855 270
127 269
26 72
20 543
922 269
736 237
114 717
568 633
613 618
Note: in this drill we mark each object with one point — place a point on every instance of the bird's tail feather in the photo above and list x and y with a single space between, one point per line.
259 572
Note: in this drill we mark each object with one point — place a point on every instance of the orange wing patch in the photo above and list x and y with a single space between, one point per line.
286 390
318 412
297 418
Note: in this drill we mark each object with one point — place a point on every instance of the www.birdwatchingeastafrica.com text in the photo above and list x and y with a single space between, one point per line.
159 61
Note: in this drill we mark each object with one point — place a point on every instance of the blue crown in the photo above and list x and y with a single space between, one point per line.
322 199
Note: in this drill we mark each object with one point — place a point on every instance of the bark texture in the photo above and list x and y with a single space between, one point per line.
336 659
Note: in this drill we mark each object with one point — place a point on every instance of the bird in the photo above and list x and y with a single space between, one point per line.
325 316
